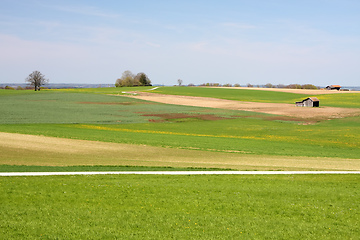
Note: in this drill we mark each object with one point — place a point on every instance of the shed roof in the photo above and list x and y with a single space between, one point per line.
314 99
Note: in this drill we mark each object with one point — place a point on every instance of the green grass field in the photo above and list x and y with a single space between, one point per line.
232 94
119 119
346 99
69 107
180 207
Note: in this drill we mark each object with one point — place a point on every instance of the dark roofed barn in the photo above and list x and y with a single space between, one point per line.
309 102
333 87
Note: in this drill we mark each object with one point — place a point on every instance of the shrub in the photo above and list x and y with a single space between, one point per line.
309 86
128 79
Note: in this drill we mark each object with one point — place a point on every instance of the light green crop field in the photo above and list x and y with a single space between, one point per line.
180 207
118 119
126 134
68 107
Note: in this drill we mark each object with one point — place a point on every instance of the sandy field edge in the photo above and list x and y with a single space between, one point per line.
290 110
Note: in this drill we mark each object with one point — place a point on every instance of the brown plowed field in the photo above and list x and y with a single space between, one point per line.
290 110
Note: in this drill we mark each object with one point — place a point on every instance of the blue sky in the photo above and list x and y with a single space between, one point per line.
257 42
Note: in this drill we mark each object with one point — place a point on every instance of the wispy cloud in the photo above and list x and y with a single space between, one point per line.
153 44
238 25
83 10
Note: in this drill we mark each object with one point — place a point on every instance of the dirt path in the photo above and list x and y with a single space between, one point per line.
271 108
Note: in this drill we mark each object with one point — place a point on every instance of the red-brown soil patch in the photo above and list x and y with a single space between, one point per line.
108 103
113 103
173 116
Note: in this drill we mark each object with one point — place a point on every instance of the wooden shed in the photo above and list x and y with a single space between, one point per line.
308 102
333 87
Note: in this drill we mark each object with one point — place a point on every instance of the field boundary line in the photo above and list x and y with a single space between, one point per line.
24 174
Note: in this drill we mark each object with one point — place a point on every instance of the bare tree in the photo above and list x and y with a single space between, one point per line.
180 82
36 79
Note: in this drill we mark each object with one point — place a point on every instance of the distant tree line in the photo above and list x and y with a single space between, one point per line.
35 79
292 86
268 85
17 88
128 79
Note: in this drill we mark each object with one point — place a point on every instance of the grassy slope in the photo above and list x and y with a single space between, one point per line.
180 207
255 138
333 100
70 107
183 207
245 133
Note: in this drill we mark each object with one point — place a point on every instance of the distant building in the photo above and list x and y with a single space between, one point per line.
309 102
333 87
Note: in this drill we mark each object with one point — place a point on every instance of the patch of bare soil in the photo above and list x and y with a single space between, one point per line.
179 116
305 113
111 103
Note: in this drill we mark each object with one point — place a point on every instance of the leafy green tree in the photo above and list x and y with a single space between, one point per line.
128 79
142 79
269 85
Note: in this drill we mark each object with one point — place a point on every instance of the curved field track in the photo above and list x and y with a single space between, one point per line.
290 110
22 149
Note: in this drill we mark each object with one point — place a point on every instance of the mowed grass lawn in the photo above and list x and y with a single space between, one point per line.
180 207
